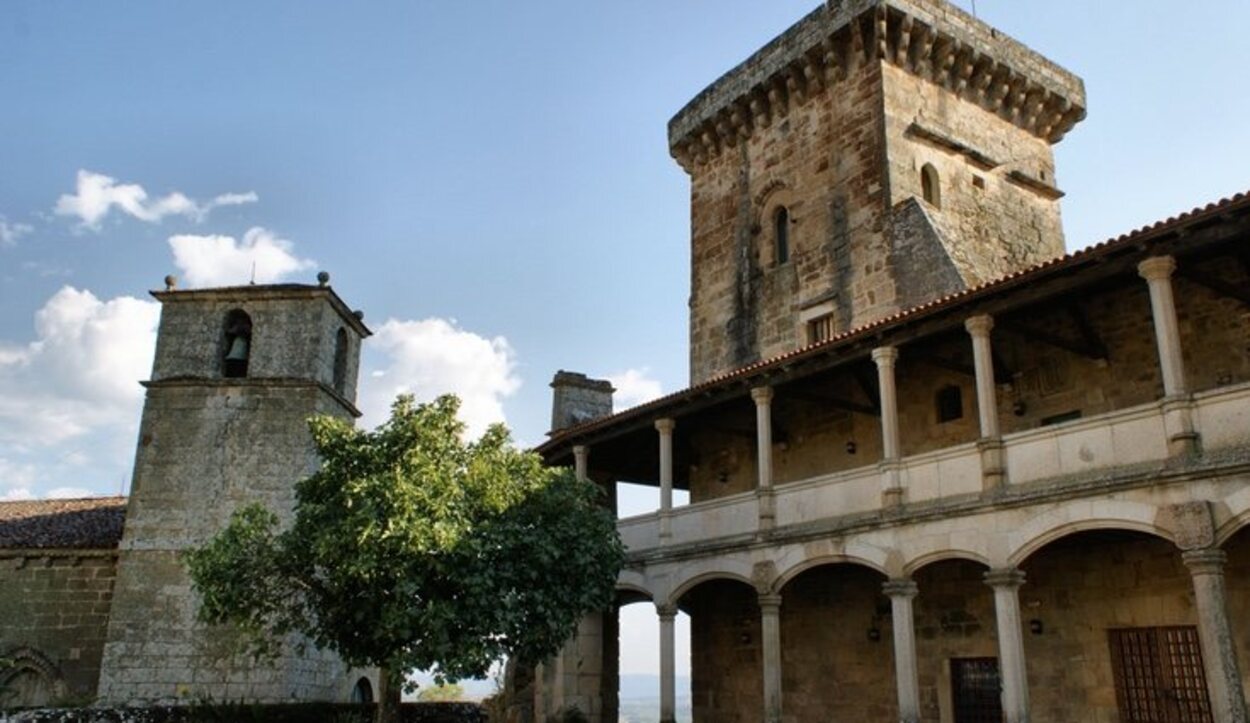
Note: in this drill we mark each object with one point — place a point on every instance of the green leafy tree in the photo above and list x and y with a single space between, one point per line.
441 693
414 549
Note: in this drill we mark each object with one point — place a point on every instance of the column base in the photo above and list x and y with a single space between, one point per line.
993 464
767 506
1178 424
892 493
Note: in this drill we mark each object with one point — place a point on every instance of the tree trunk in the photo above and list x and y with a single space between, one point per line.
390 695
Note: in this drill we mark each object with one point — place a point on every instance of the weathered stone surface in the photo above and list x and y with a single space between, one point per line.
208 445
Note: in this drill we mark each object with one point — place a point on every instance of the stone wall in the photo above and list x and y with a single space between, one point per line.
726 683
55 615
197 463
823 163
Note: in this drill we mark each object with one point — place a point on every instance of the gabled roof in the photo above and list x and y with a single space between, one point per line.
1175 231
93 523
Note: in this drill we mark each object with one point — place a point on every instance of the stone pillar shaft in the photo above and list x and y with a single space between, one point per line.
581 462
763 397
668 664
1006 584
906 671
885 358
1157 272
770 630
665 428
979 328
1219 657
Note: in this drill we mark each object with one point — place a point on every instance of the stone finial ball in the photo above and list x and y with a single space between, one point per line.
171 282
323 277
359 314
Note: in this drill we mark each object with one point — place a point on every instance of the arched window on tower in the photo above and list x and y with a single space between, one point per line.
340 362
237 346
781 235
930 185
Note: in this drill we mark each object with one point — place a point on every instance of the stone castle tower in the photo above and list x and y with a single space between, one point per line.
878 155
238 372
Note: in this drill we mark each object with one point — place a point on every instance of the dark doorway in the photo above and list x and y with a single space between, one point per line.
976 690
1158 675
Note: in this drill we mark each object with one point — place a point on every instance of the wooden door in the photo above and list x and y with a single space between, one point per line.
1159 676
976 690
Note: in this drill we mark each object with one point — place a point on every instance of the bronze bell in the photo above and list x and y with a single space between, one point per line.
238 349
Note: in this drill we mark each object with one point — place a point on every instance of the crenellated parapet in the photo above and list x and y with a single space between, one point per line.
931 39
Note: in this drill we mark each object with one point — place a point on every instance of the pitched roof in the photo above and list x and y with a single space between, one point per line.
42 524
1181 225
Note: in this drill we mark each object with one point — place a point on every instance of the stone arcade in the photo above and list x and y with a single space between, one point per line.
937 470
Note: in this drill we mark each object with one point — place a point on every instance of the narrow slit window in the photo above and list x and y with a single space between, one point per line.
781 235
237 346
931 186
340 362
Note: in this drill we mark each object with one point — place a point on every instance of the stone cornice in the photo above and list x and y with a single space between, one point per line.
929 38
254 382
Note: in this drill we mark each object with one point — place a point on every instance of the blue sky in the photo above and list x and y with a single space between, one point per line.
488 181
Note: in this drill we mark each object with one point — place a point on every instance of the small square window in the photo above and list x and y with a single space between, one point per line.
950 404
820 329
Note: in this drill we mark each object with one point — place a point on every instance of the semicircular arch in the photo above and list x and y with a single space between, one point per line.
1238 504
931 558
1053 525
709 576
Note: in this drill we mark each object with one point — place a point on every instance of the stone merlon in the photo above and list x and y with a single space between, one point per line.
930 38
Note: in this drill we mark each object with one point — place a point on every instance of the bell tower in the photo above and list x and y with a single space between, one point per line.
238 372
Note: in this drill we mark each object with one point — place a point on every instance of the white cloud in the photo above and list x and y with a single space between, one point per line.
11 232
222 261
634 387
70 399
435 356
96 195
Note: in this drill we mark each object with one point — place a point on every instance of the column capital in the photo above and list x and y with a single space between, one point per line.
885 355
1005 577
979 326
1157 268
903 587
580 450
665 426
762 395
1209 561
770 602
666 611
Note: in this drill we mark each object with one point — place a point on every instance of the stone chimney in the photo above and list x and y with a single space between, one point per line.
578 399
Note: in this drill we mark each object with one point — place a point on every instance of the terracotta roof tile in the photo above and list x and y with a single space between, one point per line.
41 524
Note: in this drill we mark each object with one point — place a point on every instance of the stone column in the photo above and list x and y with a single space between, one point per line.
763 397
668 663
1006 584
665 428
907 678
581 462
1228 702
891 482
1157 272
770 630
1177 407
991 443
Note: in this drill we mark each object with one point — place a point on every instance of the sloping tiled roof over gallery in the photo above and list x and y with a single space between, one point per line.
62 524
1185 236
